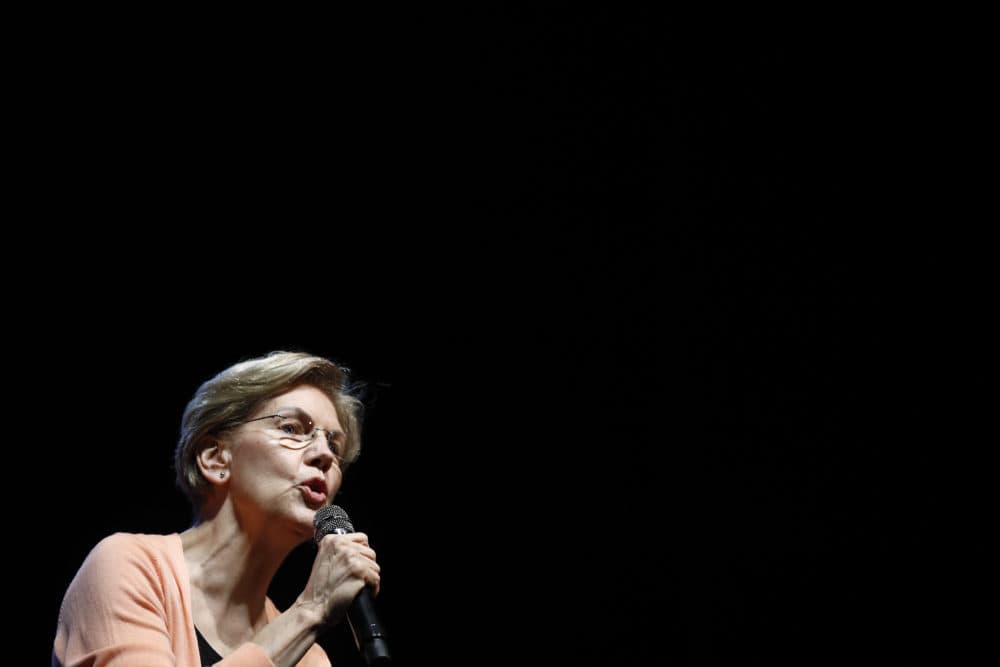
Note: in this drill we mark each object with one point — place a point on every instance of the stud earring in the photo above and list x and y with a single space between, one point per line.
222 475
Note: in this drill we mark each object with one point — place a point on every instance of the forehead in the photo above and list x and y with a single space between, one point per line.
311 400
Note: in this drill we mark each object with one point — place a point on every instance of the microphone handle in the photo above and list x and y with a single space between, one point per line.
361 617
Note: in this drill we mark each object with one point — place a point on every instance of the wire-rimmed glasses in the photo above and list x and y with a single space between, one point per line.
298 430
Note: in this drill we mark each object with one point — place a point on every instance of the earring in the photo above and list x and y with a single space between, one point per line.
222 475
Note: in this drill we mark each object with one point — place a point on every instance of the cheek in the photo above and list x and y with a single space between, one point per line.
256 458
334 478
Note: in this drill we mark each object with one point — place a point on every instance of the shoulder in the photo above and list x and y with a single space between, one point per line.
123 599
124 558
135 548
121 570
137 542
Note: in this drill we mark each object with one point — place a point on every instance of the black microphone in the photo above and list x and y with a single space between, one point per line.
365 626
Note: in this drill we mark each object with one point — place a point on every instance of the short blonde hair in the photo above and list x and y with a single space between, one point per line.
237 392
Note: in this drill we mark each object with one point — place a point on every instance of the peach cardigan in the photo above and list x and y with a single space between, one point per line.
130 604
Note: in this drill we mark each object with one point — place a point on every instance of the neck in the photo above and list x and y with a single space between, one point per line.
231 567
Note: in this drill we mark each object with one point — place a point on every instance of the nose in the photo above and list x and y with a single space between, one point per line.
318 453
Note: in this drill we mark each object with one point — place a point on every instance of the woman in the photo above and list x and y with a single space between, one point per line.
263 445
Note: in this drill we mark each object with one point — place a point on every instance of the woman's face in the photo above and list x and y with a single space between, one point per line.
275 476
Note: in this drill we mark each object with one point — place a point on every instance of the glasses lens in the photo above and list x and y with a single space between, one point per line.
295 432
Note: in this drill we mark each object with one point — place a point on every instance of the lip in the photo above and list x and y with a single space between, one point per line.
314 490
313 499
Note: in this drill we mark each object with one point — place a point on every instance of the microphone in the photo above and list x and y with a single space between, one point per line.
365 626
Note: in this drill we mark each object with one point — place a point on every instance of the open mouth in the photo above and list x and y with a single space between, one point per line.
314 492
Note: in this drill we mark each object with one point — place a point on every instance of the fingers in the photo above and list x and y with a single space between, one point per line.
348 544
365 567
341 538
353 550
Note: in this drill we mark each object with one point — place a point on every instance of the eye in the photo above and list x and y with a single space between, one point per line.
291 426
335 447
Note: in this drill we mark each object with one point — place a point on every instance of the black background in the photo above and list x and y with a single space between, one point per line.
613 289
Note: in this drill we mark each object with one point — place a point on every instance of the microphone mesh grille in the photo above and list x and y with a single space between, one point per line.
329 519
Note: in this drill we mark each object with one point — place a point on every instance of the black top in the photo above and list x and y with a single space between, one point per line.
205 652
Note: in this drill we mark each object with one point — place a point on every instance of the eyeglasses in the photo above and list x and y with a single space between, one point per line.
298 431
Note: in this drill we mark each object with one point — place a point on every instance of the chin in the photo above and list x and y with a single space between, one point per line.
304 522
295 520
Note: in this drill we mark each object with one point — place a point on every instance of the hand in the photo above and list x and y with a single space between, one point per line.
344 565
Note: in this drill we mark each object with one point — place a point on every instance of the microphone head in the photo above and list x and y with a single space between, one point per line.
332 519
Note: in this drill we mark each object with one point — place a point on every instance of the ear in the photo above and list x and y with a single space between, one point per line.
213 460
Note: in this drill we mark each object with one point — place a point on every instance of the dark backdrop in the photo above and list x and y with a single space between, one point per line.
612 288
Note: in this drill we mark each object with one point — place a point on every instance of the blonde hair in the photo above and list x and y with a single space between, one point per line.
237 392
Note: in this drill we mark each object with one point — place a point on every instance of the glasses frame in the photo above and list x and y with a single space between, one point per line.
337 456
